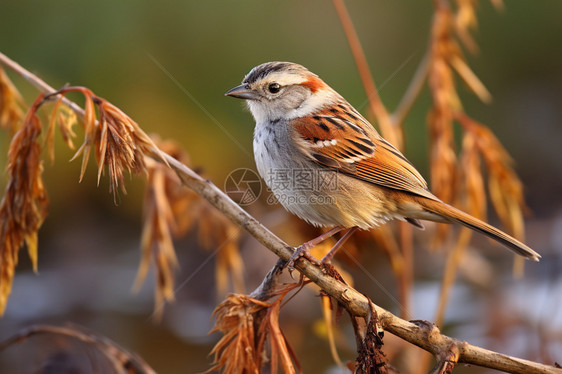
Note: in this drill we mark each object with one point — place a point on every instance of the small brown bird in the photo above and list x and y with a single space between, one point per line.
326 164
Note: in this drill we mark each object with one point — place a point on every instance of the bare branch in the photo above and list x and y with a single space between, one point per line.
41 85
266 289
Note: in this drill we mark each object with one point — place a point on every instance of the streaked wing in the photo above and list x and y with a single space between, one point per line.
343 140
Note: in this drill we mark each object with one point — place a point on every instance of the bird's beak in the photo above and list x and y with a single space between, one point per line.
243 92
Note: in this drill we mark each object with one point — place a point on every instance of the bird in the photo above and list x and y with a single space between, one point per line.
325 163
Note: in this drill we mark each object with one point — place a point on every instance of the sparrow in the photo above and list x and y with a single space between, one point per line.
325 163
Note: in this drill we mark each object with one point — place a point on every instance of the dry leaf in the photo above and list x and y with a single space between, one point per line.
156 242
250 328
465 21
236 351
119 143
371 358
329 322
11 102
25 203
172 210
505 188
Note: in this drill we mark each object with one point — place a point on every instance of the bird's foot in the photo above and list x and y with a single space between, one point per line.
304 249
301 251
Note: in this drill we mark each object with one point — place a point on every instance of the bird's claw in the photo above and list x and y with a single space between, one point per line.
301 251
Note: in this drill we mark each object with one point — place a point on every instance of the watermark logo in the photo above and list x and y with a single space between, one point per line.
243 186
300 199
301 186
304 180
286 186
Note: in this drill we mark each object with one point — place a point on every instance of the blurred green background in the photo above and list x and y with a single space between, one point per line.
167 64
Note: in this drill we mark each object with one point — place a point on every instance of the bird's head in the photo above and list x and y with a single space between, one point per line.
283 91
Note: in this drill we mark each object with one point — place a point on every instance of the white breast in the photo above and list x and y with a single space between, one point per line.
271 148
289 176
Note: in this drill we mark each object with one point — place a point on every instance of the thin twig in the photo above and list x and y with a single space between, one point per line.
412 92
38 83
266 289
424 335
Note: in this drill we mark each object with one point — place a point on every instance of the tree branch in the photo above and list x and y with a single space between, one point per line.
120 359
422 334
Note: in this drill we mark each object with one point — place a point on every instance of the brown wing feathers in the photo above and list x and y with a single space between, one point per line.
358 152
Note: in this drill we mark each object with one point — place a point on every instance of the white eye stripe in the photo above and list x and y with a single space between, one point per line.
285 79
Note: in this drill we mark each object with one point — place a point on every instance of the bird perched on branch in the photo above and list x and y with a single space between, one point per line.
325 163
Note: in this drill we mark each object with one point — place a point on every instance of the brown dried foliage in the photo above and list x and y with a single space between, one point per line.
473 198
504 186
471 179
329 322
172 210
465 20
25 202
66 119
11 102
236 352
119 145
466 187
447 59
370 359
219 233
118 141
158 228
445 102
252 337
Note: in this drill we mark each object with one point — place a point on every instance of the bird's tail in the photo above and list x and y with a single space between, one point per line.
455 215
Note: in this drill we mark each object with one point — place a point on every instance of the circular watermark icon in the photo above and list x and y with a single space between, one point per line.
243 186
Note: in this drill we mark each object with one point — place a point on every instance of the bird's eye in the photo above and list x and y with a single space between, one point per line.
274 87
